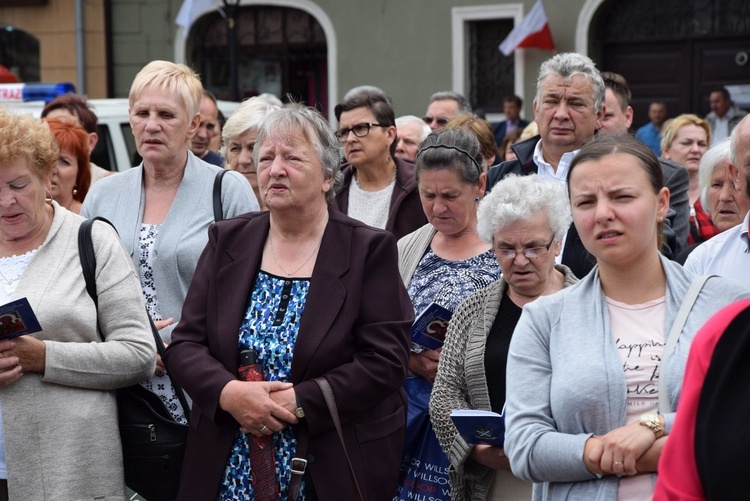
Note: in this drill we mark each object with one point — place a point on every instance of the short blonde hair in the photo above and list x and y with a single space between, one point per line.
670 128
173 78
23 136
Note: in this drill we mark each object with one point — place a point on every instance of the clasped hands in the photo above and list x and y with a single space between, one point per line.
625 451
260 407
20 355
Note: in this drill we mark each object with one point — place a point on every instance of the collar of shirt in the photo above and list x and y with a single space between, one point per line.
744 233
545 169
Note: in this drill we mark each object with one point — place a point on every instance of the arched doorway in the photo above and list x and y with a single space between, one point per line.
282 51
672 50
19 53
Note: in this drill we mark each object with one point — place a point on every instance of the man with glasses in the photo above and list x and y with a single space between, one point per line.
568 109
379 188
445 106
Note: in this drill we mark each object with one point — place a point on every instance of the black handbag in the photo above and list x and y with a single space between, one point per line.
153 444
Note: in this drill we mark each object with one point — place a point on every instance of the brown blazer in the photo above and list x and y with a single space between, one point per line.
354 331
405 214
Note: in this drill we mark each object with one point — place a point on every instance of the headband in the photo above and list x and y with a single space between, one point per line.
448 147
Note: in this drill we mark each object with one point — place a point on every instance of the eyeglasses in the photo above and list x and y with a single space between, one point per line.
529 252
359 130
442 122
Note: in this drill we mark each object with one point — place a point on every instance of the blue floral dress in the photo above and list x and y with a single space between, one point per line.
270 328
447 283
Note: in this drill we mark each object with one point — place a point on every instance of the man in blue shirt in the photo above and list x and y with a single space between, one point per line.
649 133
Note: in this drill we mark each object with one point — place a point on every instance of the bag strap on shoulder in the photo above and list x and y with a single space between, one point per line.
218 208
674 333
87 257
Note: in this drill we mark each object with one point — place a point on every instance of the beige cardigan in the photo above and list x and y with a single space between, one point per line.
61 435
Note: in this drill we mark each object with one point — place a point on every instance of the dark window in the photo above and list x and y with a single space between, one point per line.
19 53
491 74
281 50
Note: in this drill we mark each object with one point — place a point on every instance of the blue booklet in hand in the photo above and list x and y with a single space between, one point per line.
480 427
430 326
17 319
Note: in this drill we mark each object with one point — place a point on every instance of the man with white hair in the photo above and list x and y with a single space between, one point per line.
728 253
410 132
568 109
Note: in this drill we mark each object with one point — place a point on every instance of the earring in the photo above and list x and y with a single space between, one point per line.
48 198
476 199
75 190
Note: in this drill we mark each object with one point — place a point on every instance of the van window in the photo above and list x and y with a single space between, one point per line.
127 134
103 154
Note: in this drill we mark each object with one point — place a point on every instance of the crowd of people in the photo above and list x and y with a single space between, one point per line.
590 279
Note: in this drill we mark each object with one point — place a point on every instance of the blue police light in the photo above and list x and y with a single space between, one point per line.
34 92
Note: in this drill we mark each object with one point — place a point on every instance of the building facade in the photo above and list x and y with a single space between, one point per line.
671 50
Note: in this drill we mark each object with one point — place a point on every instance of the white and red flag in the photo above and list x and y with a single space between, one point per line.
532 31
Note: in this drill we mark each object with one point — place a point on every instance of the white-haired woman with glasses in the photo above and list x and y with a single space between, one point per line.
239 135
525 219
379 188
444 261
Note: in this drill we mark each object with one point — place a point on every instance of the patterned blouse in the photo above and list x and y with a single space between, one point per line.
159 383
270 328
447 283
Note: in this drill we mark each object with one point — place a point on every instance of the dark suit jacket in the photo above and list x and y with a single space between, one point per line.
405 214
575 255
354 331
500 129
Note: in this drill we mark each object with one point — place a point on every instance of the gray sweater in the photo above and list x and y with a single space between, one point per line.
566 383
184 233
461 383
61 434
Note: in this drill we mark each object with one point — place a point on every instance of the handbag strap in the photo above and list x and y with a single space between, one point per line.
325 387
218 209
87 257
674 334
302 439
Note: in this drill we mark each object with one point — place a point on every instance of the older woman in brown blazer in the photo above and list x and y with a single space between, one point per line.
314 293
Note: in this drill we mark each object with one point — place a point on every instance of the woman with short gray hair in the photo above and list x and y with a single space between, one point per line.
307 293
720 199
525 219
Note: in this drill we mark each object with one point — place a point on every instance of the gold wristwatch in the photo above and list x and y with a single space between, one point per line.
651 419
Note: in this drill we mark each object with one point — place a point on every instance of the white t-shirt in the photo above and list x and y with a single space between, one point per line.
370 207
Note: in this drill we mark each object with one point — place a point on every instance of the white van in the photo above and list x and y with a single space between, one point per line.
115 150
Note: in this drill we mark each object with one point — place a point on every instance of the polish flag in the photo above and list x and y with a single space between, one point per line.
532 31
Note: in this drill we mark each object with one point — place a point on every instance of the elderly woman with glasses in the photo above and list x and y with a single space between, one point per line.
238 138
525 219
445 260
379 188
